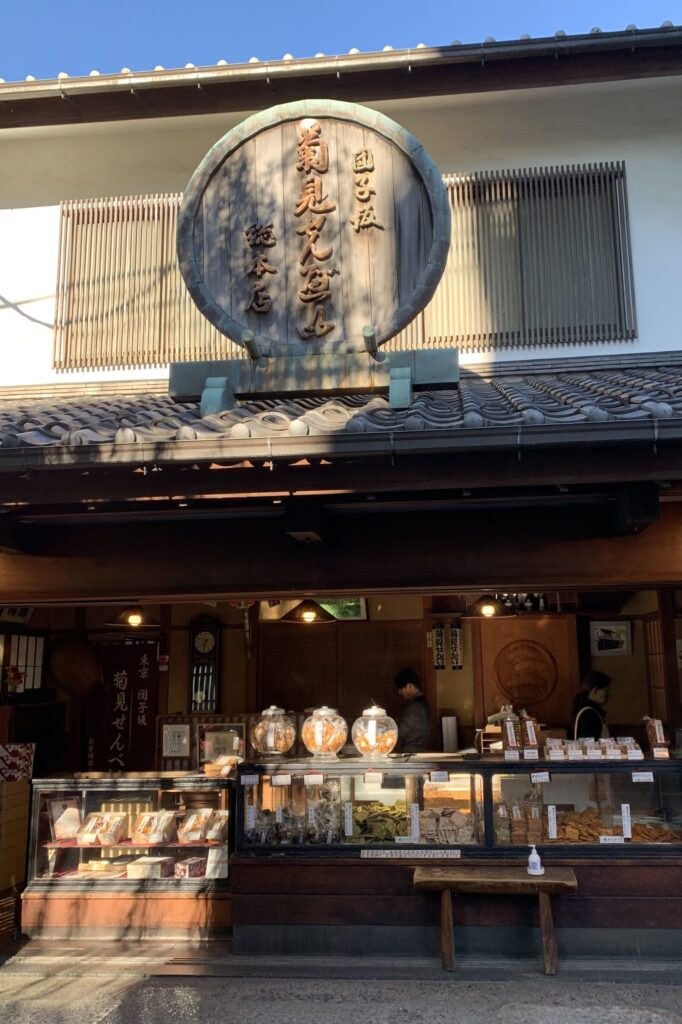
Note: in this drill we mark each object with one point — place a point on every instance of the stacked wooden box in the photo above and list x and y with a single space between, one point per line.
14 805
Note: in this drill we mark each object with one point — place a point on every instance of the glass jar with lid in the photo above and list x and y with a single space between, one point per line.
324 732
273 732
374 733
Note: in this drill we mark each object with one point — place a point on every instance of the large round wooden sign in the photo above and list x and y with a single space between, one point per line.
310 221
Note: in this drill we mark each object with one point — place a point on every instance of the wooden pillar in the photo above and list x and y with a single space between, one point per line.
666 605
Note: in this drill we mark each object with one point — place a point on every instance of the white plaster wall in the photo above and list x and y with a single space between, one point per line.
639 122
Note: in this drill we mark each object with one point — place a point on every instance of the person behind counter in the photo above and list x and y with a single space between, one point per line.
590 716
414 727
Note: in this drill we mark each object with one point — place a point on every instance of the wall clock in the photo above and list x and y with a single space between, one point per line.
204 638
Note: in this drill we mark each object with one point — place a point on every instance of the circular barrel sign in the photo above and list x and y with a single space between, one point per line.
309 222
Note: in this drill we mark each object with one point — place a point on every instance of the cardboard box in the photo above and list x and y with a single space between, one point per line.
151 867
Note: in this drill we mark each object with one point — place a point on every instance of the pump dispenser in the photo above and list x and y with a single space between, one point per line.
534 863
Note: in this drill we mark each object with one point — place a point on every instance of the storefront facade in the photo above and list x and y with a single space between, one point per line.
552 466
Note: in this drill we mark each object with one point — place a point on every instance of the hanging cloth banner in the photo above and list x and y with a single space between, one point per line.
438 648
456 651
124 738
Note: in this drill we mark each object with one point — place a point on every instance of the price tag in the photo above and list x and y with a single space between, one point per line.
311 815
410 854
511 755
511 734
414 818
661 752
404 839
439 776
250 780
251 816
530 731
611 840
530 754
348 819
635 755
373 778
516 812
575 754
281 780
642 776
593 754
613 754
627 821
551 821
313 779
556 754
540 777
278 815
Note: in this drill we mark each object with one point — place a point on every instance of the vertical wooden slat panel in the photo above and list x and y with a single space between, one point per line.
539 257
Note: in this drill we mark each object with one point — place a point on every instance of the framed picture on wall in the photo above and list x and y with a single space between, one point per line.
175 741
218 739
610 638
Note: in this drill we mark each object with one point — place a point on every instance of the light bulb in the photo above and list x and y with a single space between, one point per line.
134 619
309 616
488 610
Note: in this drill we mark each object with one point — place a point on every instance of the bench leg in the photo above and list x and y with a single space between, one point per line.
550 949
447 935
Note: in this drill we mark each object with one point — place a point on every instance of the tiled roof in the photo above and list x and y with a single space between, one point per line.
561 400
630 34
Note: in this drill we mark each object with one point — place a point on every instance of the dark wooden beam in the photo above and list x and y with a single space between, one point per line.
13 538
440 552
594 464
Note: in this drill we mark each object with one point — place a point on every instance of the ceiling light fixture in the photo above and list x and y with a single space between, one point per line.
308 612
133 617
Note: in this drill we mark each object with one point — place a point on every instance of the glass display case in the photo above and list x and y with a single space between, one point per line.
130 831
457 808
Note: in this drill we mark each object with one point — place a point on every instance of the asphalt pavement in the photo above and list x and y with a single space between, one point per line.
166 983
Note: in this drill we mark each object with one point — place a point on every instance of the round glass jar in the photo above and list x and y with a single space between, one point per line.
374 733
324 732
273 732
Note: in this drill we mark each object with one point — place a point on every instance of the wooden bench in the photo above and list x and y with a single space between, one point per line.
500 880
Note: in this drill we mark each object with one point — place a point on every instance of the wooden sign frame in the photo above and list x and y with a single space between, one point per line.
432 267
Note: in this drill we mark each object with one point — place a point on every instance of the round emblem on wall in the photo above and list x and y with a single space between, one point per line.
527 672
310 221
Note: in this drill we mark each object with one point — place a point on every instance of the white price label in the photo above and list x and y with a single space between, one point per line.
348 819
611 840
627 821
575 754
635 755
278 815
661 752
530 754
250 780
593 754
511 734
511 755
613 754
414 818
404 839
439 776
642 776
555 754
373 778
551 821
516 812
411 854
530 731
251 816
281 780
311 815
313 779
540 777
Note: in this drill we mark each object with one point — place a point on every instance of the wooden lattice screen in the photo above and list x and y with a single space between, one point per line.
538 257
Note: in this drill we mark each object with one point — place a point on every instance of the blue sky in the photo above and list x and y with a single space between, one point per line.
44 37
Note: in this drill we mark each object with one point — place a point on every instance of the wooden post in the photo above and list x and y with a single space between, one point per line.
550 949
673 698
447 931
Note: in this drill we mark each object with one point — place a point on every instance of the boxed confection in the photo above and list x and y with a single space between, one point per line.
195 825
191 867
102 829
153 828
216 862
218 825
151 867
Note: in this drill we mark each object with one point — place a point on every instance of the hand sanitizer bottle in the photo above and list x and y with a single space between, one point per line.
534 863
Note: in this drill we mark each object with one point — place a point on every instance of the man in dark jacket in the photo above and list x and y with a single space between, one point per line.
414 727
